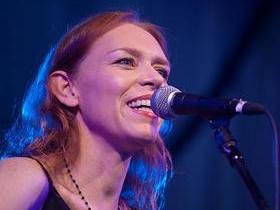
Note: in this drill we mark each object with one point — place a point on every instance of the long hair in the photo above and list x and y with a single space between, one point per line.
46 127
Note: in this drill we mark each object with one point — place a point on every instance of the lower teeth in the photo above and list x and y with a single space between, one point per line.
144 109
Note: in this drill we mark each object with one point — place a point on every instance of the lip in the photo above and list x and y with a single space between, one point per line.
143 97
145 113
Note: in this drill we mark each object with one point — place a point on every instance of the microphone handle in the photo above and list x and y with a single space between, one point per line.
208 107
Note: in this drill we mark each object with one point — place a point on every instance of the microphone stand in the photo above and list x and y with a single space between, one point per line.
228 145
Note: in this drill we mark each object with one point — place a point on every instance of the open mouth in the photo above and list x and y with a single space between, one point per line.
141 105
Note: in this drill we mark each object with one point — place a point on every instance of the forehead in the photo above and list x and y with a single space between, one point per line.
128 36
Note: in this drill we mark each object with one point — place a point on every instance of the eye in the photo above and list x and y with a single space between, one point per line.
126 61
163 72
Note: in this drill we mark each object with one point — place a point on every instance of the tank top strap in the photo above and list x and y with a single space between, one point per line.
53 201
43 168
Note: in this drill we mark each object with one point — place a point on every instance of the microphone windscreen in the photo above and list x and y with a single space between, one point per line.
161 101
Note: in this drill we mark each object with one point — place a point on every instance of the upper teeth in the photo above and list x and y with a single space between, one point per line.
138 103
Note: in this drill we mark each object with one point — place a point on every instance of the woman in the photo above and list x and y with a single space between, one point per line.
87 138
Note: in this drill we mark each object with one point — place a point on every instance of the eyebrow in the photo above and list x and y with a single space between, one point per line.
136 53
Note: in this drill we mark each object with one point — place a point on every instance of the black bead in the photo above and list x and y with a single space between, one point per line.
76 185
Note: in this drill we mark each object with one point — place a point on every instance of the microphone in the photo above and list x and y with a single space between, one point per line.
168 101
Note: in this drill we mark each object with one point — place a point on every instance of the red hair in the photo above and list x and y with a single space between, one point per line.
149 171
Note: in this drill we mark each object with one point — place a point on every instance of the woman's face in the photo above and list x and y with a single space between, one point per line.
115 82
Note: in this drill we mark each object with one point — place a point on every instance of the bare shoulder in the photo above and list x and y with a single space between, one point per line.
23 182
27 168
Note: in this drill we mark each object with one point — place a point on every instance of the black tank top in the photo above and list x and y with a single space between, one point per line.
53 200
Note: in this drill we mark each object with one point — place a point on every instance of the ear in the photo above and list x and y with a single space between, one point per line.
64 90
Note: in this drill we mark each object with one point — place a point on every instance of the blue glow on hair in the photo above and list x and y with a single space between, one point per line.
36 93
30 123
144 174
166 128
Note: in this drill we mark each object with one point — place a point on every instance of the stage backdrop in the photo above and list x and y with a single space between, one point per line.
217 48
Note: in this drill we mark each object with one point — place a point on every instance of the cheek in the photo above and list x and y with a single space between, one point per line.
100 95
99 85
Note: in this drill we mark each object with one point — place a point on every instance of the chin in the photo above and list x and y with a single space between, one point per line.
138 135
144 137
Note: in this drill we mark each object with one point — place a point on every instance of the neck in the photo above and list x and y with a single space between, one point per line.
99 170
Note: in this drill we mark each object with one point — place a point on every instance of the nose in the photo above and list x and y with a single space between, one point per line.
148 76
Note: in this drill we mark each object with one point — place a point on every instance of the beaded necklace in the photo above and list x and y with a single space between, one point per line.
77 186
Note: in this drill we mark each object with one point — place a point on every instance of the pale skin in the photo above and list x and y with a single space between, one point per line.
125 63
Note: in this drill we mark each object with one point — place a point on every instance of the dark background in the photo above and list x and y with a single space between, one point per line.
217 48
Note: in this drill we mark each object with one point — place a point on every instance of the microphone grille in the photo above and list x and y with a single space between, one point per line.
161 99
